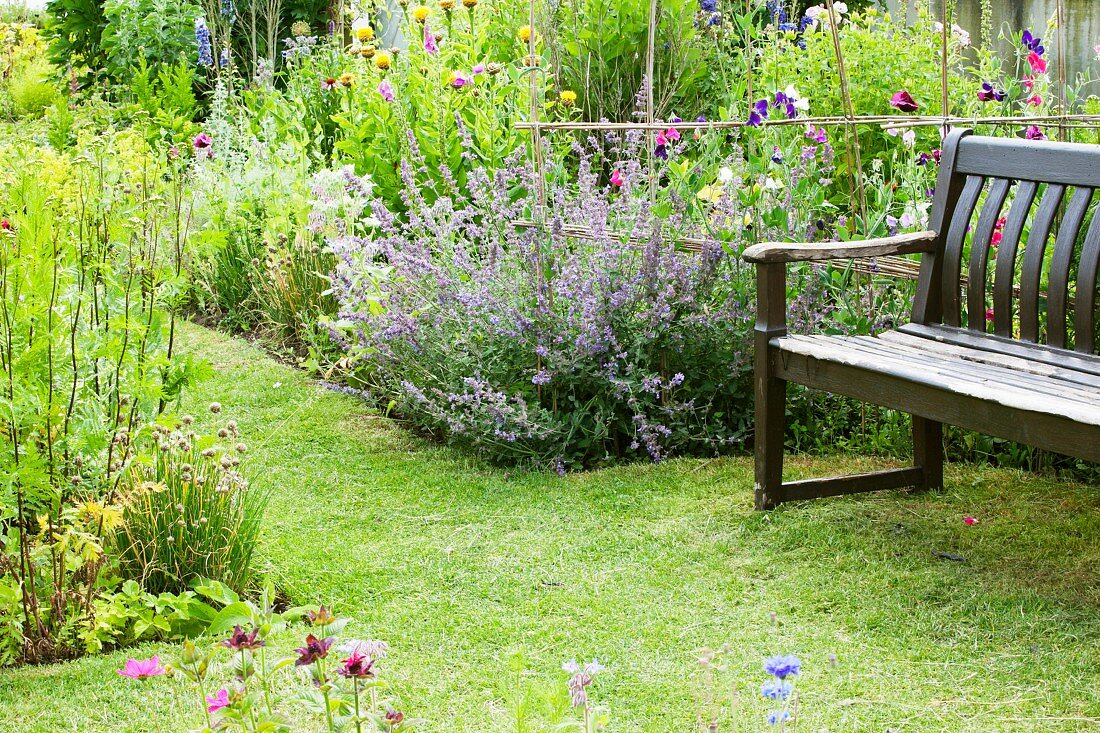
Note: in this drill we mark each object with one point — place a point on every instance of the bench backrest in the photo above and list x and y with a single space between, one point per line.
1039 282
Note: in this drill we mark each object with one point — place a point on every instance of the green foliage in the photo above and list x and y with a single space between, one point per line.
188 513
32 90
156 31
599 50
132 615
75 29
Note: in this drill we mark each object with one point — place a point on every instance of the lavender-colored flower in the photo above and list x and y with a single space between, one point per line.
478 69
229 11
776 689
372 649
581 679
386 90
202 42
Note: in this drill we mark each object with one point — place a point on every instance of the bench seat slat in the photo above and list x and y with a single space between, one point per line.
1039 352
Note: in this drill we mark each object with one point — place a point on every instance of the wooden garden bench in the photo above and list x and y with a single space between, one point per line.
1013 353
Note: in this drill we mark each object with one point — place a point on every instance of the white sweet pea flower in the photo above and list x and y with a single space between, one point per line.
725 174
800 103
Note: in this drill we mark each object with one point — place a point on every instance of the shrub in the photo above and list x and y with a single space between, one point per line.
32 91
188 512
530 345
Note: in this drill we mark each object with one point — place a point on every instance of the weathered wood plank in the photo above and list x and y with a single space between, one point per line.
953 249
1005 273
825 350
941 403
977 269
1040 352
1031 278
913 243
993 358
838 485
1059 280
1066 164
1084 312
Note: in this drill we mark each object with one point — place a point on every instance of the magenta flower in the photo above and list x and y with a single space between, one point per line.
617 179
203 145
219 701
142 669
1034 133
478 69
358 665
459 80
971 521
1035 100
240 640
429 41
386 90
818 135
1037 63
672 134
904 101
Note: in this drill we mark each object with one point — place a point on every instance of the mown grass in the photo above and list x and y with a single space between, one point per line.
457 565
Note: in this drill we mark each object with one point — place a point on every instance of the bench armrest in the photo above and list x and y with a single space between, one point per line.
902 244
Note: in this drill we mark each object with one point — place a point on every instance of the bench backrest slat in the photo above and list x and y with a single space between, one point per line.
1060 265
953 248
1045 269
1084 314
978 270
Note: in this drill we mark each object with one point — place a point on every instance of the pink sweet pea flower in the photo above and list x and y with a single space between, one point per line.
219 701
1038 63
672 134
1027 82
904 101
616 179
142 669
970 521
386 90
1035 100
429 41
1034 133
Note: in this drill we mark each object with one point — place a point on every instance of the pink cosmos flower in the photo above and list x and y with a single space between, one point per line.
219 701
429 41
386 90
904 101
616 179
969 521
142 669
1038 63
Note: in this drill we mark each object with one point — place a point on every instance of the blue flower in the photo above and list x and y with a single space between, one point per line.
229 11
777 716
777 155
708 6
782 667
202 41
776 689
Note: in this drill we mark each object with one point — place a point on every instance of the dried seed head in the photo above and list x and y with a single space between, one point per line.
209 453
223 433
215 407
241 448
186 420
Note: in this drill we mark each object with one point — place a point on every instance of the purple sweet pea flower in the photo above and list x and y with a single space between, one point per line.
1034 133
990 93
904 101
759 113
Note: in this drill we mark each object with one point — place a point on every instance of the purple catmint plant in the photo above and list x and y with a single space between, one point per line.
533 344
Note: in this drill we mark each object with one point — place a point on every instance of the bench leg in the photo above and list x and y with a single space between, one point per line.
771 414
928 451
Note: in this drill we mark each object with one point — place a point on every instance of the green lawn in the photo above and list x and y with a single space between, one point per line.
458 565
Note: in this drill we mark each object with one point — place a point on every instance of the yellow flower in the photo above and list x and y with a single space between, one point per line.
346 79
421 13
568 98
447 4
471 4
365 33
524 33
382 60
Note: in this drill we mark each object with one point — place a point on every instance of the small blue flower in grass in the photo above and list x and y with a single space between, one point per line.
776 689
778 716
708 6
782 667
